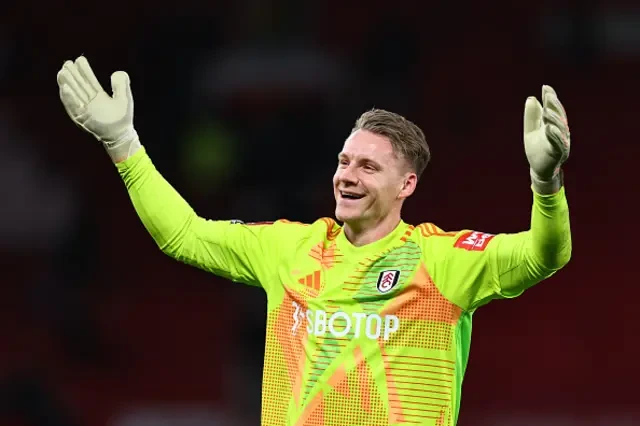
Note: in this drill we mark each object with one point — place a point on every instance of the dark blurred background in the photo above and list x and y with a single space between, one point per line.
243 106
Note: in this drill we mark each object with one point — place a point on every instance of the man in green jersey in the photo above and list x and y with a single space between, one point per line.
369 323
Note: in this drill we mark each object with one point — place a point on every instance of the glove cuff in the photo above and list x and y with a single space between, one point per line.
547 186
123 147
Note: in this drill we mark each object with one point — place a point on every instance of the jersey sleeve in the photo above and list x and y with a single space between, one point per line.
472 268
247 253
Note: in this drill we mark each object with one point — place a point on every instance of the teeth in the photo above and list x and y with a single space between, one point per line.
350 194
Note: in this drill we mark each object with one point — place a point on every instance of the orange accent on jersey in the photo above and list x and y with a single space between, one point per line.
429 229
338 380
281 348
292 222
313 414
362 406
430 306
370 399
424 229
407 234
311 280
331 232
395 410
327 257
363 380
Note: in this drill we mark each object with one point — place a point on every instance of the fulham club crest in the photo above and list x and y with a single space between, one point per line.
388 280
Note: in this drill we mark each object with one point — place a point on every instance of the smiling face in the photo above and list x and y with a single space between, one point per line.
371 181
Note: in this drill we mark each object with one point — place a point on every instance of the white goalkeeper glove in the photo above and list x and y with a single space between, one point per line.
546 140
109 119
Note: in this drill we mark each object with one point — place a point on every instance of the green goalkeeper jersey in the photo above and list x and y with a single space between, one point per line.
371 335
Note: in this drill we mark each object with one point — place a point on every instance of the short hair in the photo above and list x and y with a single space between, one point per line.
407 139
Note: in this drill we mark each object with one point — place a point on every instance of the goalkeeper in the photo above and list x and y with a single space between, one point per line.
368 322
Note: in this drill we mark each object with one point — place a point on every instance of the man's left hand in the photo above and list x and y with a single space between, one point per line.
547 140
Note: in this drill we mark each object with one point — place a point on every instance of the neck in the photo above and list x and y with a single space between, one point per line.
362 234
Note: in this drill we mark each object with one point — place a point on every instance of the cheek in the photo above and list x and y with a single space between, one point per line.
387 194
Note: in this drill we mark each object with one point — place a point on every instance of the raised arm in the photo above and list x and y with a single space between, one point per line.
235 251
547 245
476 267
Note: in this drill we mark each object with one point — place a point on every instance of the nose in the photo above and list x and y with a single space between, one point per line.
348 176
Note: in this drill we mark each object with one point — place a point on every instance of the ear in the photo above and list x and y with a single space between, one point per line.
408 185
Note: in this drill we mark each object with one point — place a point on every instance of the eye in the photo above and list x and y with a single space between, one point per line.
370 168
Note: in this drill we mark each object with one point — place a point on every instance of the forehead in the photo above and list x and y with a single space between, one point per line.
364 144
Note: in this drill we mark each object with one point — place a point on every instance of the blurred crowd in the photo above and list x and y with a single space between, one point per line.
243 107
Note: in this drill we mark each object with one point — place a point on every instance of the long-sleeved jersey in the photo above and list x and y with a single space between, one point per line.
371 335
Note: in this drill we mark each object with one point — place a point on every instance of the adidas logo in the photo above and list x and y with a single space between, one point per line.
312 280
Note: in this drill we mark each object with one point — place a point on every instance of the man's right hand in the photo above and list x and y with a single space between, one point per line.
108 118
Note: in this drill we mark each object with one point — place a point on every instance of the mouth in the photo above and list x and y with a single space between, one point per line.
347 195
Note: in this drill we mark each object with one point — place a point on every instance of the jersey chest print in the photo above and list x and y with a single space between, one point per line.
369 339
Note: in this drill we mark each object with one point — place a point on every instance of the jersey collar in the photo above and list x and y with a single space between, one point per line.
375 247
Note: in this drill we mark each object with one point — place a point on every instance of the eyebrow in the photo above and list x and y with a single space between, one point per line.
342 155
373 162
